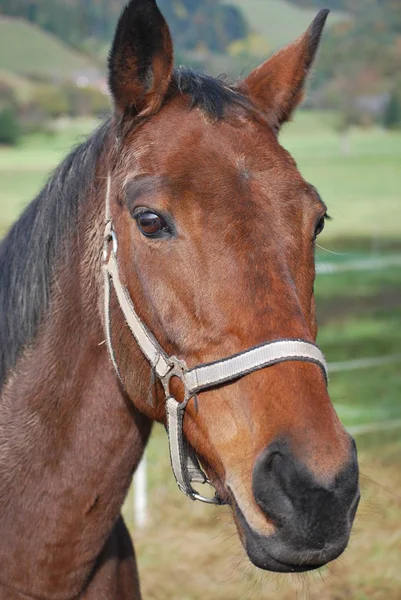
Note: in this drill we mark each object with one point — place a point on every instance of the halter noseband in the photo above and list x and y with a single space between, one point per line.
184 462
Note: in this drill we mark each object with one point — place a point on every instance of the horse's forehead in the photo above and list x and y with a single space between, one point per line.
178 143
177 127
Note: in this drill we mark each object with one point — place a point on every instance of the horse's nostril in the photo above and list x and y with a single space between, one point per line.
270 483
300 506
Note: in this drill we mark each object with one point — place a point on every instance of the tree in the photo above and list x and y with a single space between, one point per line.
9 126
392 115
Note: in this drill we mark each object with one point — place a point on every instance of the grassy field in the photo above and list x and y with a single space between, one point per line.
40 54
190 551
22 87
25 169
279 21
362 190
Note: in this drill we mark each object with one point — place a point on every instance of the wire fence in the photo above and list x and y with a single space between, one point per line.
372 263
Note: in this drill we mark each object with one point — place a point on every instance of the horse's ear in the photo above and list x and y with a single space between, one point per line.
141 59
276 86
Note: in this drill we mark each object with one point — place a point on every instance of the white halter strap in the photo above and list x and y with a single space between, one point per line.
184 462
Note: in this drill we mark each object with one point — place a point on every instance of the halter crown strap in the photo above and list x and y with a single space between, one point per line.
184 462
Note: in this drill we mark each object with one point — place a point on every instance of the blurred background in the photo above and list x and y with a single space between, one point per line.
347 141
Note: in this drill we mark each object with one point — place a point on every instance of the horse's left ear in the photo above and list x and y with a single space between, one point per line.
141 59
276 87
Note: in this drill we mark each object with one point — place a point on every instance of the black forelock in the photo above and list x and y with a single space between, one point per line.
29 253
211 94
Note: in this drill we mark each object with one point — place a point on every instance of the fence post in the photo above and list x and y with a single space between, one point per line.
140 494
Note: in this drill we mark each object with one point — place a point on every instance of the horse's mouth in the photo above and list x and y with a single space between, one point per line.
271 553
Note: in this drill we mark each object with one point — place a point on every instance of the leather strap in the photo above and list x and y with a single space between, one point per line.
145 340
259 357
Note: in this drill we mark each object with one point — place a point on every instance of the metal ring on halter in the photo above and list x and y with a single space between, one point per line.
178 369
215 500
109 236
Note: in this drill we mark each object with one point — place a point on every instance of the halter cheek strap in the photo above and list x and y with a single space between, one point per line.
184 462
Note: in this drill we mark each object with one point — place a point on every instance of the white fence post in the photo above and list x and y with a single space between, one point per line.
141 493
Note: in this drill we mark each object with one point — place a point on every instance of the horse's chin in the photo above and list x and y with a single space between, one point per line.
271 553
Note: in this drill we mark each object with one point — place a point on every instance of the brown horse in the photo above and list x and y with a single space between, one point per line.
213 233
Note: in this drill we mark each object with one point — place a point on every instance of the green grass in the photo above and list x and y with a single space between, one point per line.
39 54
367 395
361 312
363 296
357 284
363 190
356 336
279 21
25 169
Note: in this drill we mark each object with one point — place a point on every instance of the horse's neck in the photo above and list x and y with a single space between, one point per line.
69 443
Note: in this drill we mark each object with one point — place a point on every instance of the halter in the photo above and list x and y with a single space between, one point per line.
184 462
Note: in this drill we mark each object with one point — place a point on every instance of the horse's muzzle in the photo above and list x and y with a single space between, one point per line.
312 519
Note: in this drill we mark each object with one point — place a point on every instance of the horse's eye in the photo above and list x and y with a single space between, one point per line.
320 226
150 224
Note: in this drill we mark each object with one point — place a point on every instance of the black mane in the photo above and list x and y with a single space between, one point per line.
211 94
30 251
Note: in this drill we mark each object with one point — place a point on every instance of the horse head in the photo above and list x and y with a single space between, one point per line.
214 231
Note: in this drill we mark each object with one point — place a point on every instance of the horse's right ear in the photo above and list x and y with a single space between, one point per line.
276 87
140 60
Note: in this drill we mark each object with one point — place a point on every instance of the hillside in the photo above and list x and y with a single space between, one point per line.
192 22
27 49
355 7
22 87
279 21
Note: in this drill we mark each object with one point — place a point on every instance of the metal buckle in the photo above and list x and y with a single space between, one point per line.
178 369
109 236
